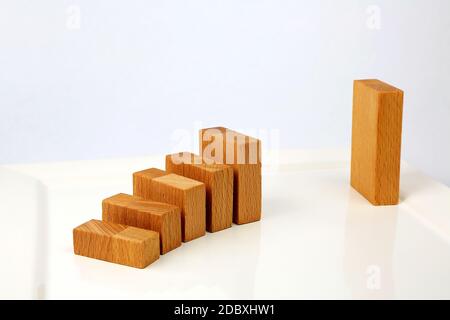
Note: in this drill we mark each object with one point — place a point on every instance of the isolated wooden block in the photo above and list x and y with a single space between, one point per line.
187 194
218 180
156 216
116 243
376 141
243 154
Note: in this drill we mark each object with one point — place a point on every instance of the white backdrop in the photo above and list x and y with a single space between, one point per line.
92 79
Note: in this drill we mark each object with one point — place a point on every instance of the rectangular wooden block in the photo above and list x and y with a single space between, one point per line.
243 153
188 194
156 216
218 180
376 141
116 243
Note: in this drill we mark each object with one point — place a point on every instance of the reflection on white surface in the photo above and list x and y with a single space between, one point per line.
370 234
318 238
419 194
195 268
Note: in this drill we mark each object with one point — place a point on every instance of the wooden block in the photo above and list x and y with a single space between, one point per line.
218 180
376 141
156 216
243 154
188 194
142 181
177 162
116 243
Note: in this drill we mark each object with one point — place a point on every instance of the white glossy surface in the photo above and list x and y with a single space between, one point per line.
318 238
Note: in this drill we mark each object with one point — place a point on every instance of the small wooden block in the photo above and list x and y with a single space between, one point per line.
218 180
156 216
243 154
376 141
116 243
180 191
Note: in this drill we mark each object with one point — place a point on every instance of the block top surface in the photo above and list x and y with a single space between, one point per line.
378 85
186 158
178 182
140 204
194 160
101 227
150 173
221 129
214 167
137 234
224 130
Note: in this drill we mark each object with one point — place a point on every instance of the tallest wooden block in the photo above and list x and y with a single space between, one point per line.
376 141
243 153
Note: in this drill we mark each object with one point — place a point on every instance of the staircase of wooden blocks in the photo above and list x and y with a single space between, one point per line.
222 185
193 195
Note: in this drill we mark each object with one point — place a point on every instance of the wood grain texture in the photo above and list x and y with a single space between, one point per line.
187 194
243 154
142 181
116 243
218 180
151 215
376 141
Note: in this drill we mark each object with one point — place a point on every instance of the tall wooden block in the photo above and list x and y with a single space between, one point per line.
376 141
218 180
188 194
243 153
157 216
116 243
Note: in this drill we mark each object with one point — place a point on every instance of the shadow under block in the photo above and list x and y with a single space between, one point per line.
187 194
376 141
116 243
218 180
243 154
156 216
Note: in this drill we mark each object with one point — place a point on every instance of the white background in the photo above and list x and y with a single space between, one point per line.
99 79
